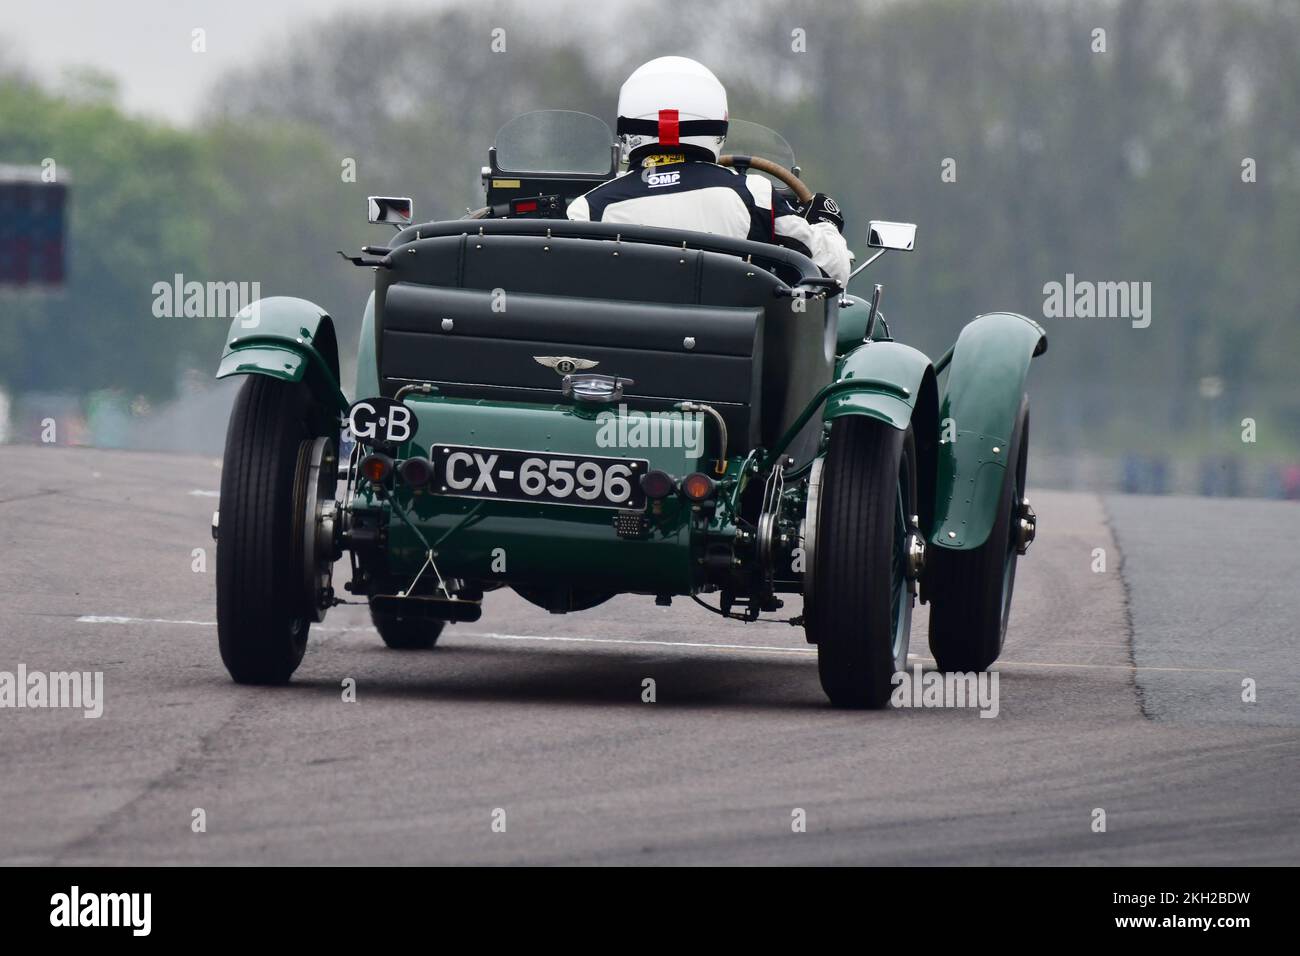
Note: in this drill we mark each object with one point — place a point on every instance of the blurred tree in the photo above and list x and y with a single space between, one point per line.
1116 165
133 186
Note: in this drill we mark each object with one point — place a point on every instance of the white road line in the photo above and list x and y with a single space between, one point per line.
627 640
100 619
1090 643
1122 667
200 493
493 635
106 619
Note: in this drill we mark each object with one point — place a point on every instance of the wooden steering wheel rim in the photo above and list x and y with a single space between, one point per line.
776 170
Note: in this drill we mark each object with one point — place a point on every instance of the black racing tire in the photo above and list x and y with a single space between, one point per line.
262 618
407 633
970 591
861 614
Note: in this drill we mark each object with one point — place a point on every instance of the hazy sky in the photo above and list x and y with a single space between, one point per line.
146 44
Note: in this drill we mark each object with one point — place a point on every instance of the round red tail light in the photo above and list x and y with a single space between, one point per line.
697 486
657 484
376 468
416 472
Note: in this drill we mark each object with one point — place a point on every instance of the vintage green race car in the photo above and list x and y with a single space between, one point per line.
577 410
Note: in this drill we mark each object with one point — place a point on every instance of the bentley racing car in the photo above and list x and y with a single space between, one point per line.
578 410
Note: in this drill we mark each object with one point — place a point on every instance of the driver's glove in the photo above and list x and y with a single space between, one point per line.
822 208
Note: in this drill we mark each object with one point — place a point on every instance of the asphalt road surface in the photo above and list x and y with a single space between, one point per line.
1120 690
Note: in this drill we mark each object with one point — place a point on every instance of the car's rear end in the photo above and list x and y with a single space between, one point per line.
567 382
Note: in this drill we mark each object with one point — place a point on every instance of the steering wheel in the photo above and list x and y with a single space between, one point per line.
775 170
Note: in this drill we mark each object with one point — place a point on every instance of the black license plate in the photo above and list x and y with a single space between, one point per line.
589 481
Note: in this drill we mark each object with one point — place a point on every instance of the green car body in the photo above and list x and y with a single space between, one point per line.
481 334
294 341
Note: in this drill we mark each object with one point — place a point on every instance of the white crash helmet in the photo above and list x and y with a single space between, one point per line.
673 101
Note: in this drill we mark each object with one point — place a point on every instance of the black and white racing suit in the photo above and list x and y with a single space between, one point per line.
676 192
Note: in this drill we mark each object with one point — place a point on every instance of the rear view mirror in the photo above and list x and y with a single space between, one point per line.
395 210
891 235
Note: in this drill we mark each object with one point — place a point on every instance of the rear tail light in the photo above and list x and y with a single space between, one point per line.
657 484
697 486
416 472
376 468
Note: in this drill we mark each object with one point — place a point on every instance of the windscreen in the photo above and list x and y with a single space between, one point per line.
750 139
554 141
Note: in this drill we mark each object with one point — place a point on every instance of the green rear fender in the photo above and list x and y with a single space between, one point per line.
985 386
288 339
367 384
895 366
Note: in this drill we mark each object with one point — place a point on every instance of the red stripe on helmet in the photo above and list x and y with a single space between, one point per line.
669 129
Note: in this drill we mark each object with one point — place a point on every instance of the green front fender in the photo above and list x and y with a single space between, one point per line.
898 388
891 363
986 383
288 339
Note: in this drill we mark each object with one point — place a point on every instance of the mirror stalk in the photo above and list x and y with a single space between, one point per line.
874 313
854 274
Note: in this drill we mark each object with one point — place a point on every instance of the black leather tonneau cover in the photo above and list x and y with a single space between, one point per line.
452 337
477 307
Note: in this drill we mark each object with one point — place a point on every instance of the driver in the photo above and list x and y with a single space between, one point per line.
672 122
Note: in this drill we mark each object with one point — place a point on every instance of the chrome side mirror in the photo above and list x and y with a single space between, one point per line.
393 210
891 235
900 236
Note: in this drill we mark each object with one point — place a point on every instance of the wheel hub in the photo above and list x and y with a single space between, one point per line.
317 524
914 554
812 512
1026 527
